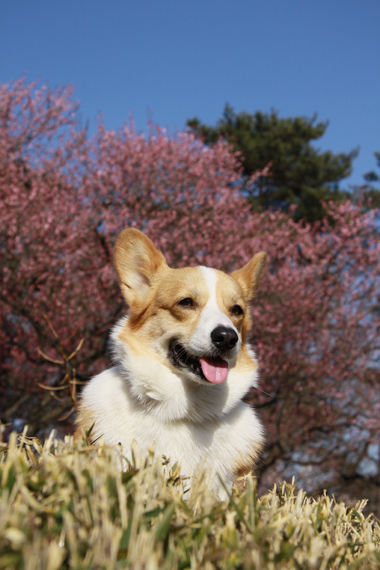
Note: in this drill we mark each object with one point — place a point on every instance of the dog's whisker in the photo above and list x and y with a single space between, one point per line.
263 391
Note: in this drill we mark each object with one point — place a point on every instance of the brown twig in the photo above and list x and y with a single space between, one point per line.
69 381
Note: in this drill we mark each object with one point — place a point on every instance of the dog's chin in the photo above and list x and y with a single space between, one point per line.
191 364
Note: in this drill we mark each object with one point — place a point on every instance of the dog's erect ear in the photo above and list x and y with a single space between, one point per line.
137 261
249 277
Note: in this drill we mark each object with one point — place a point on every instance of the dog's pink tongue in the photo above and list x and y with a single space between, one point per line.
215 370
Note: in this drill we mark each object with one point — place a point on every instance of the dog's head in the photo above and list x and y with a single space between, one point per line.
194 320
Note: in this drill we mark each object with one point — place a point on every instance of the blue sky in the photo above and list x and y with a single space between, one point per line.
173 60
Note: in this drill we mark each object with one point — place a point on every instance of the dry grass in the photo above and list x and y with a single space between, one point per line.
68 506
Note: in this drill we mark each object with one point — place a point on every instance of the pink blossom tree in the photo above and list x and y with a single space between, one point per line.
64 197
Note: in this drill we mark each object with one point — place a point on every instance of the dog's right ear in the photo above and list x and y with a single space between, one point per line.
137 262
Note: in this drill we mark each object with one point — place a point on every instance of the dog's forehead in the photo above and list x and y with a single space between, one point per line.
181 280
201 282
175 284
220 284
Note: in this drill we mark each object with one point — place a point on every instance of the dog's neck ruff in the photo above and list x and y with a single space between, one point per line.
172 395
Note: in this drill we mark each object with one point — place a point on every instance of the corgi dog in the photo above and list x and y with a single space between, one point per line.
182 366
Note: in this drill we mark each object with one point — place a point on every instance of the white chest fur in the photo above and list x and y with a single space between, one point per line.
217 445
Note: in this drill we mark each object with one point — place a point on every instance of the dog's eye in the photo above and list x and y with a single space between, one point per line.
237 311
187 302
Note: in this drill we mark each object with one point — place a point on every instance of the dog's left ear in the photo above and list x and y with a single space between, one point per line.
249 277
137 262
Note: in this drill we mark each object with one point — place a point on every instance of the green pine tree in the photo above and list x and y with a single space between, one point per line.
372 193
300 173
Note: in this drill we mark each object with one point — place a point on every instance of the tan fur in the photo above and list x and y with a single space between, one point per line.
245 465
134 250
244 361
249 278
251 274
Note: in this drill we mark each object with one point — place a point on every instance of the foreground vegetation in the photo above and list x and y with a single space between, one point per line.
65 505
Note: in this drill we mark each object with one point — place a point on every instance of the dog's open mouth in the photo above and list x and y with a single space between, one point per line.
213 369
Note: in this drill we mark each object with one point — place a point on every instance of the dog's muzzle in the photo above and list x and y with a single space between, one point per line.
212 367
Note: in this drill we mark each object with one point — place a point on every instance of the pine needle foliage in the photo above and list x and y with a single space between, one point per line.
66 505
300 173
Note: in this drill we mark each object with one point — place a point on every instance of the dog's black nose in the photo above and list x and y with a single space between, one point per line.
224 338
